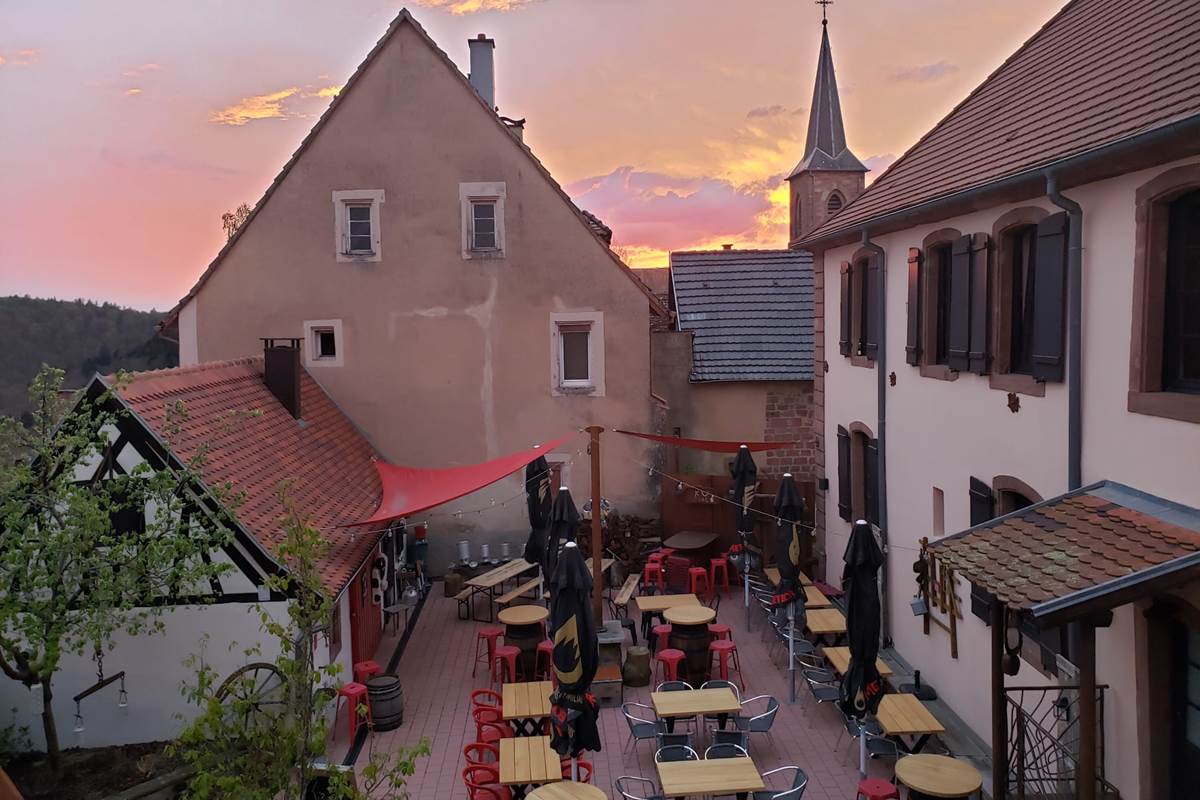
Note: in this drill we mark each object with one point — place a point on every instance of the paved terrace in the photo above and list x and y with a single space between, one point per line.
436 674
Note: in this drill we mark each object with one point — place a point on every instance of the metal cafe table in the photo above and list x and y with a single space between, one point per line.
938 776
526 762
526 706
712 776
902 715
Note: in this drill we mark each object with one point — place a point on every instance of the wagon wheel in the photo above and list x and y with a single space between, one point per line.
254 694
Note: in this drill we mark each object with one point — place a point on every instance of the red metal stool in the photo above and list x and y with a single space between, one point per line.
667 663
364 670
666 552
719 630
726 650
544 648
652 575
661 634
355 695
715 565
506 656
488 635
696 577
876 789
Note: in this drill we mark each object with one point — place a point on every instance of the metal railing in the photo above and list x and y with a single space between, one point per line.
1043 743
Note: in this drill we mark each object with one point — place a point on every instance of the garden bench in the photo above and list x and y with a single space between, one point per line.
513 594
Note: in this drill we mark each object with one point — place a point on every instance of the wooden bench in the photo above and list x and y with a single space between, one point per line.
509 596
464 602
628 588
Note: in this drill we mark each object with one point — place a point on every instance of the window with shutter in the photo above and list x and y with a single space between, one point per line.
959 344
843 467
869 268
983 502
871 480
845 320
979 356
912 348
1049 299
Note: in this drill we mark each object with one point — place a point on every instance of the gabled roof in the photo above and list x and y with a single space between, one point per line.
254 444
1099 547
1099 73
825 149
403 18
750 313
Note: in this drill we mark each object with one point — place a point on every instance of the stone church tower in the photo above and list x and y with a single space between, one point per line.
829 176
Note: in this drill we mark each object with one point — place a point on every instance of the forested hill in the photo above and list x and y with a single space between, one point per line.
78 336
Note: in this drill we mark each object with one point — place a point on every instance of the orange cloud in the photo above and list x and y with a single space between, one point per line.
472 6
328 91
21 58
142 69
133 92
261 106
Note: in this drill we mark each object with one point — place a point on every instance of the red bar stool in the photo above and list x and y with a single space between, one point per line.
488 635
719 630
715 565
726 650
652 575
364 670
506 656
876 789
666 552
544 648
667 663
696 577
661 634
355 695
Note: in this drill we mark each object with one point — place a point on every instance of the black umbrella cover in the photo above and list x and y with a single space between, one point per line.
576 656
745 474
537 498
789 510
564 524
862 688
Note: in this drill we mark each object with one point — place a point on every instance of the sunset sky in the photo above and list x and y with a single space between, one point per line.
129 126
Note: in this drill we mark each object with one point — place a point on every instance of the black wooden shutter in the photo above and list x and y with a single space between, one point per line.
980 357
871 480
983 502
843 467
870 325
960 304
844 338
912 350
1049 297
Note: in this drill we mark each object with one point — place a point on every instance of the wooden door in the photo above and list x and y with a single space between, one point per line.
366 625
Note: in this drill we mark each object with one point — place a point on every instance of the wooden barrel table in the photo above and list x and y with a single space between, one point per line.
523 629
689 633
386 697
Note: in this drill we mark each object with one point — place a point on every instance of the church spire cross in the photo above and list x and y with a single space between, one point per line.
824 4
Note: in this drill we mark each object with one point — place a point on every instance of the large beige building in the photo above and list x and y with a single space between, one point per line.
445 292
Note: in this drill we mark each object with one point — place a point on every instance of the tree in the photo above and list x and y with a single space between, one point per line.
76 566
231 221
262 740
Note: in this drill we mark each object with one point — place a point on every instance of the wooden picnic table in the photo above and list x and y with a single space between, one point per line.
711 776
772 574
567 790
490 581
839 659
826 622
695 702
902 715
689 615
650 604
605 564
525 705
528 761
690 540
938 776
523 615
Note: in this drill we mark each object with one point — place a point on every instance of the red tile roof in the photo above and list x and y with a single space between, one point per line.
1098 72
1076 542
254 444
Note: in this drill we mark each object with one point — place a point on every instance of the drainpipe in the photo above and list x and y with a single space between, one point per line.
881 433
1074 331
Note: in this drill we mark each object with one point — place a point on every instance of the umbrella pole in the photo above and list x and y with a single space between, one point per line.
746 580
862 750
792 651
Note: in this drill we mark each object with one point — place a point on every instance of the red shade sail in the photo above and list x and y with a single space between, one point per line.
409 490
710 445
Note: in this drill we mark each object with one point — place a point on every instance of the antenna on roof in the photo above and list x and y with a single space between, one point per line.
824 4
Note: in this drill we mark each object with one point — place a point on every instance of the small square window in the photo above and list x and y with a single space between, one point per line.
483 224
325 343
575 356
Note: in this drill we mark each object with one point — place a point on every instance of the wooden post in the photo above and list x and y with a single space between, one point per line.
597 534
1085 779
999 706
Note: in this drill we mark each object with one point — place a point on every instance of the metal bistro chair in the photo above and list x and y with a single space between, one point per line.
640 729
621 784
759 723
794 792
822 685
673 739
877 744
721 684
677 686
740 738
675 752
725 750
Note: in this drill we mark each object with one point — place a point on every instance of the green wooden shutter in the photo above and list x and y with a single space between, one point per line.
843 468
870 323
979 356
1049 298
983 502
844 338
960 305
912 349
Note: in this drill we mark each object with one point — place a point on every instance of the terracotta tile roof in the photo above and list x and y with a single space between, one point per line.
254 444
1079 542
1098 72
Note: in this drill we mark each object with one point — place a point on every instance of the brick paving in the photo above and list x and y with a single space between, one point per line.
436 674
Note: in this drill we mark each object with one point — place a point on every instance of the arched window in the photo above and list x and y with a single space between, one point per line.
834 203
796 216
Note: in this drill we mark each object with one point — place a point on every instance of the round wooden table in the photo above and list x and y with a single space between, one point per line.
689 615
689 633
566 790
523 615
523 629
938 776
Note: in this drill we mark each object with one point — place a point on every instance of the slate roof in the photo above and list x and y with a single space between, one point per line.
255 444
1098 72
750 313
825 149
1076 547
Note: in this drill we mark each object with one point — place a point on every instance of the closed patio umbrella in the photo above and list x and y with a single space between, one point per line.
537 499
745 477
789 508
564 525
576 655
862 688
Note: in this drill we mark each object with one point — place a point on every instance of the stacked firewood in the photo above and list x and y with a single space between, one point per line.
628 538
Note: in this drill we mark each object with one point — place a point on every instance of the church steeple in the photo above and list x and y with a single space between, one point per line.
828 176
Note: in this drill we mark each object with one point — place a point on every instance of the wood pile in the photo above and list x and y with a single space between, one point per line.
627 537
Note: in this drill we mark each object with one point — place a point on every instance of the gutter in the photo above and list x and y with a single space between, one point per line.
881 433
1074 331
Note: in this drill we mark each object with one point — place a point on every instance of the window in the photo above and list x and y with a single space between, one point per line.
858 474
859 337
482 219
796 209
939 512
357 235
834 204
1181 303
931 303
324 344
940 294
1022 274
577 353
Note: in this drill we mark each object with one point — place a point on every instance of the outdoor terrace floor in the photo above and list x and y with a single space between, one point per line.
435 671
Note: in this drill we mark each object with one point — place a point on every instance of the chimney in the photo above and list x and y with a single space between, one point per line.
483 75
726 247
281 372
